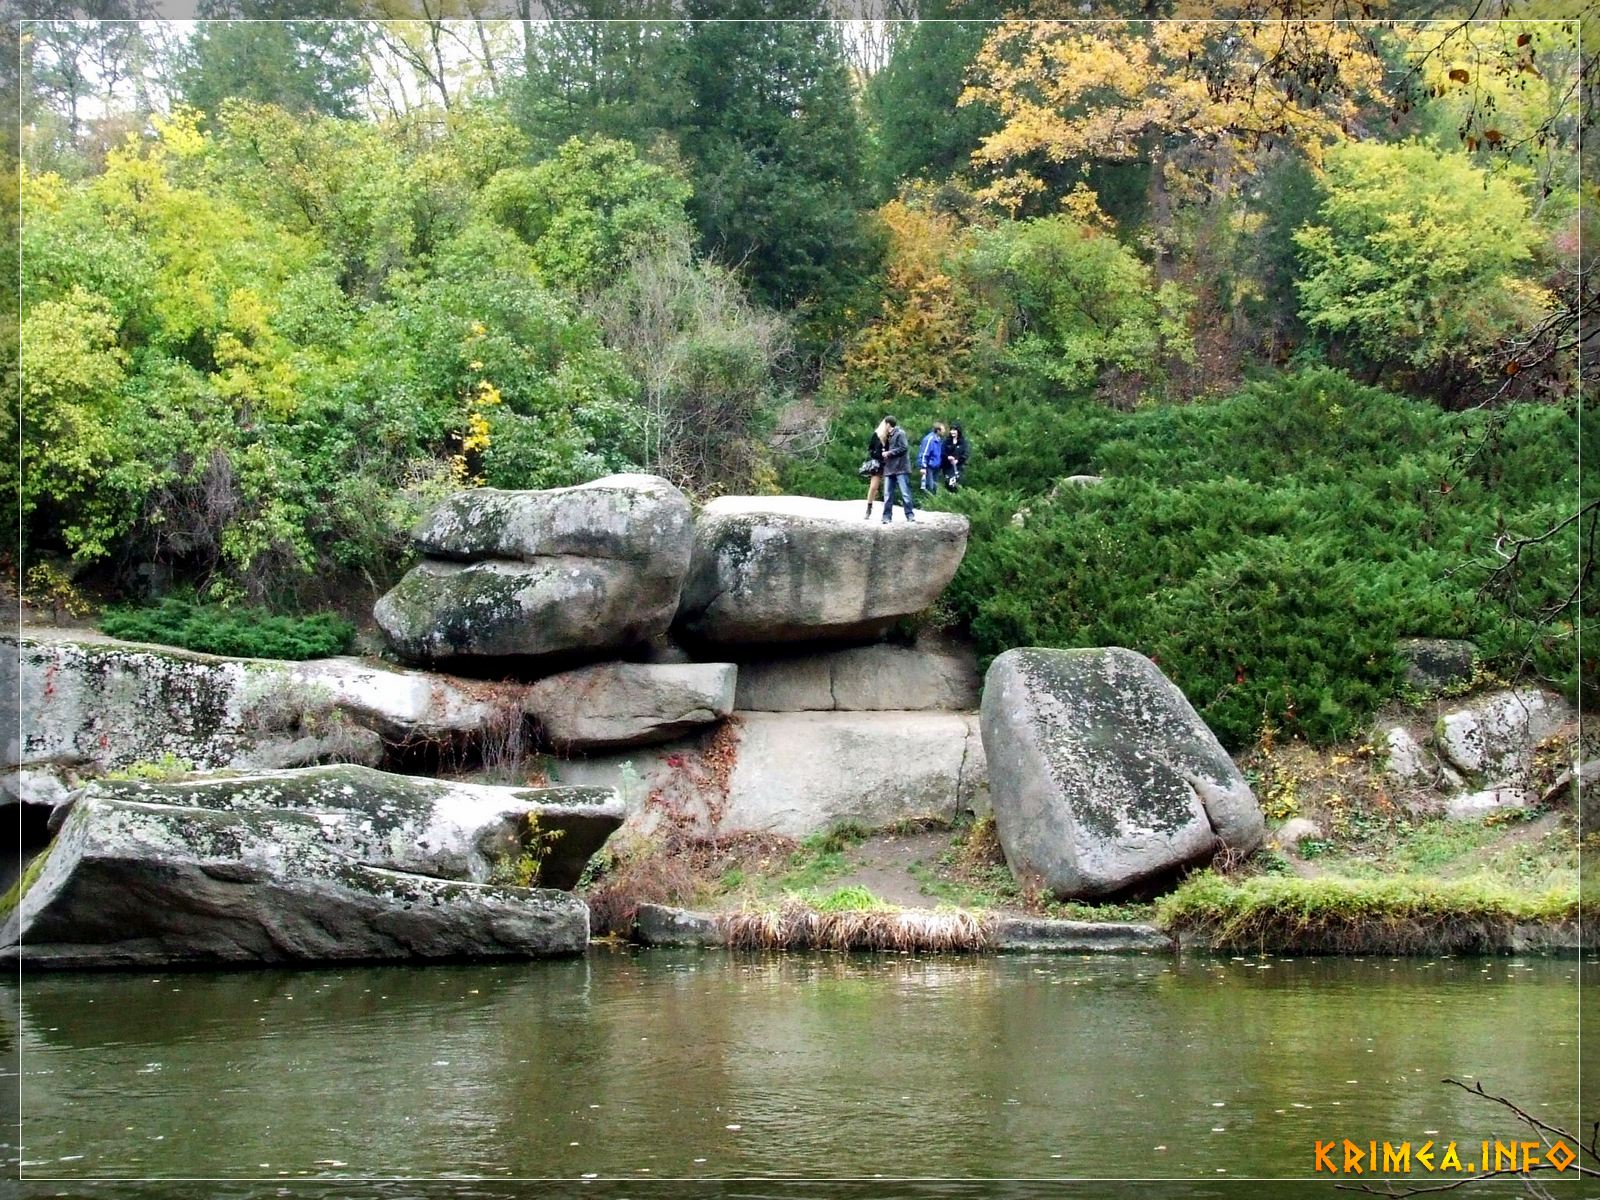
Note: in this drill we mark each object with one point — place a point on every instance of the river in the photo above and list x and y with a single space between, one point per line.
651 1065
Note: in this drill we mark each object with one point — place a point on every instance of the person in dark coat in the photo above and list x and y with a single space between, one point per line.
956 449
896 467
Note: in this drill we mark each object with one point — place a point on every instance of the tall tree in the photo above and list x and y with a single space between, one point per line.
589 71
913 102
249 50
777 150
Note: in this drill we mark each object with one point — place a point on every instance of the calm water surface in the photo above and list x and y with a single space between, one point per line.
652 1065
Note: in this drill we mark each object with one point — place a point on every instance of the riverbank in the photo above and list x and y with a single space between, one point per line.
1354 866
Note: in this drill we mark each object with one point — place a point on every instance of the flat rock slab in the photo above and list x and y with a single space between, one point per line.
931 675
438 828
1078 937
134 884
1102 775
659 925
538 575
616 705
796 774
1494 737
99 703
772 569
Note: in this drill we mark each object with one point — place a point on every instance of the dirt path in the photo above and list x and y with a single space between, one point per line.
883 865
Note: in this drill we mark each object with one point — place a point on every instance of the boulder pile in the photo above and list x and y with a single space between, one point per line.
330 863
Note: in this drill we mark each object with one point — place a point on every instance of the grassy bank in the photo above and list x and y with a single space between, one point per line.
1331 915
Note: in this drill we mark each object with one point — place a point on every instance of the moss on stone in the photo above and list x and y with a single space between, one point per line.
19 889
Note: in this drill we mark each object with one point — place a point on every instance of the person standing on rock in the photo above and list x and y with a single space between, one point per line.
875 444
955 458
930 457
896 466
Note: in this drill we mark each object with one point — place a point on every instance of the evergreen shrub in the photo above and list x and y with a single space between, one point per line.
1267 549
235 632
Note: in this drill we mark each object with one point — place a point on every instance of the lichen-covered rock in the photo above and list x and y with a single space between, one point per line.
1493 738
439 828
1101 774
797 774
640 519
629 704
1408 763
1470 806
659 925
101 704
769 569
542 574
1435 665
140 884
880 678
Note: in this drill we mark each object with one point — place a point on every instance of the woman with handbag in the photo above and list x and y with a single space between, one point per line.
872 468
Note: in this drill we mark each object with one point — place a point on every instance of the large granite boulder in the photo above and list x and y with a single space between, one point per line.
443 828
629 704
770 569
797 774
322 864
1102 775
1493 738
542 574
932 674
99 704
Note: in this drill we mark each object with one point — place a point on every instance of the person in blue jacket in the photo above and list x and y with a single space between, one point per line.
930 457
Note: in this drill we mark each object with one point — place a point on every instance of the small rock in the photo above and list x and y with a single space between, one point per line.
1291 833
1434 665
630 704
1469 806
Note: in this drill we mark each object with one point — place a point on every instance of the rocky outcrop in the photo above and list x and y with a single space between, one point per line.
99 704
321 864
442 828
537 575
629 704
773 569
1493 738
1435 665
1102 775
933 674
797 774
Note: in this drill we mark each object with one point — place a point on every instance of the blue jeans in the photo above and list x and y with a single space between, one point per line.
930 479
888 495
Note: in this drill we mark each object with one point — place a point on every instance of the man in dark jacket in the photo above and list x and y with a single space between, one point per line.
896 466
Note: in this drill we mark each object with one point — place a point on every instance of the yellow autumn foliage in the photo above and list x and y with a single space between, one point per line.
921 342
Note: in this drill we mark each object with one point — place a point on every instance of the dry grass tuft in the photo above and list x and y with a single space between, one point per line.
798 926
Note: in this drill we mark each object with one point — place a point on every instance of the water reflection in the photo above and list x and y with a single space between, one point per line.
695 1065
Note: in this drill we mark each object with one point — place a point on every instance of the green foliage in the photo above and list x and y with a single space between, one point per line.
853 898
588 209
1417 257
1265 549
921 131
166 769
1279 913
258 354
534 843
315 66
777 156
244 633
1073 301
